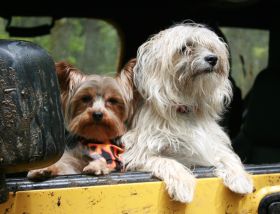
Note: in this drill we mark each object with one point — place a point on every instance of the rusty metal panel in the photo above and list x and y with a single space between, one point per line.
211 196
31 122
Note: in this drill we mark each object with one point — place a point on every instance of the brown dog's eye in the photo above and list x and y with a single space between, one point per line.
86 98
112 101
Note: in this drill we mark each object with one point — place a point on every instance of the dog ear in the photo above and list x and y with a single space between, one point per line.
67 75
125 76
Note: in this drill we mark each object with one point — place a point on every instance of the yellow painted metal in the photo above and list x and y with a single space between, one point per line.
140 198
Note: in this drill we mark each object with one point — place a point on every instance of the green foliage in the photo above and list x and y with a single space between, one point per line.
249 54
91 45
260 52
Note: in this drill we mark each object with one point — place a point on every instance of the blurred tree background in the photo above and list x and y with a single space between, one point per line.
91 45
94 46
249 54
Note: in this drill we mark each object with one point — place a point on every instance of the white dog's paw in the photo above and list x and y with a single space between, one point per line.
181 188
241 184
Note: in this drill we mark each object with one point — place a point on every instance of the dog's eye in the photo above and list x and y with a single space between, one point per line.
189 44
86 98
183 49
112 101
186 48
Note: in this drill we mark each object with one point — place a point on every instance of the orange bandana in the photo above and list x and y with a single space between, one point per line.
109 150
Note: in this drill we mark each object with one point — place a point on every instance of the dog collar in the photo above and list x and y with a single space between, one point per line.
183 109
115 141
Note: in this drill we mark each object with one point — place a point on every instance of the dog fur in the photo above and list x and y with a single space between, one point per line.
95 110
181 74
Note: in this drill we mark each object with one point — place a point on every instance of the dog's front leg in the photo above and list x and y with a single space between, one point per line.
179 180
67 164
97 167
230 169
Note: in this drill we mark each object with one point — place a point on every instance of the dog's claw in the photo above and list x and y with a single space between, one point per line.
39 174
96 168
241 184
183 192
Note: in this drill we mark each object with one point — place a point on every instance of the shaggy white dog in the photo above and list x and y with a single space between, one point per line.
181 74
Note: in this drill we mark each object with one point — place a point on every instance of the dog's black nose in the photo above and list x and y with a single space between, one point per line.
211 59
97 116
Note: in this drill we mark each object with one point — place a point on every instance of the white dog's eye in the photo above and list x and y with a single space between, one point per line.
187 48
189 44
183 49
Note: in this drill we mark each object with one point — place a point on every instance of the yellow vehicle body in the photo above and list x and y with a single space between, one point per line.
211 196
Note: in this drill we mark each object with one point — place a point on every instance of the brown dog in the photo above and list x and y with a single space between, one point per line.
95 109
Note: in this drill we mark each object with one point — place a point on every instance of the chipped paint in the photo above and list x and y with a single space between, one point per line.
58 201
211 196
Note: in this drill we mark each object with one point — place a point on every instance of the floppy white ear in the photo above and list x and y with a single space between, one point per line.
154 73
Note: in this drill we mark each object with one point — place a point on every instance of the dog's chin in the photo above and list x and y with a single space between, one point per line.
208 70
100 132
203 72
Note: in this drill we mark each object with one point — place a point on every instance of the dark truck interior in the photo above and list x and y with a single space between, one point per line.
252 118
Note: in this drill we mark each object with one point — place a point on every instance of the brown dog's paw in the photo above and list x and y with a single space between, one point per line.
42 174
97 167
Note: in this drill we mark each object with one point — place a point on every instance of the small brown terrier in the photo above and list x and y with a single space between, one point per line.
95 109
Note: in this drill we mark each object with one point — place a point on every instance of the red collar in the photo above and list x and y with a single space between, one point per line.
183 109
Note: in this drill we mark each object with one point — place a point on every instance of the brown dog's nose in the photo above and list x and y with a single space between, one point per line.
97 116
211 59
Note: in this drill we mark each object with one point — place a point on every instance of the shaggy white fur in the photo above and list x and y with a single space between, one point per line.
183 67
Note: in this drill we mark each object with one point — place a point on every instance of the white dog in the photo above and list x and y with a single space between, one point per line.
181 74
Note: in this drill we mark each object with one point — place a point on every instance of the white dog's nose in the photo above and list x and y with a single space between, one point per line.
211 59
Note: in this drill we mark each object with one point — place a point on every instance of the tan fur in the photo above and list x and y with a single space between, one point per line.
82 96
